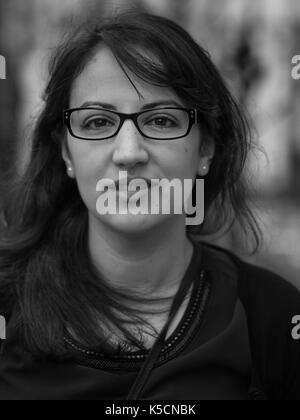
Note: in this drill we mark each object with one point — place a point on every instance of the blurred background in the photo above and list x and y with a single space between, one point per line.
252 42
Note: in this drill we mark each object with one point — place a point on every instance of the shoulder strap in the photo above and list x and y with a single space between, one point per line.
145 372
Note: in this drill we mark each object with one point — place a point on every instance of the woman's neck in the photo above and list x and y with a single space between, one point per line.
153 264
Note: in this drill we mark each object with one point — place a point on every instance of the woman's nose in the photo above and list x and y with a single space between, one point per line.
129 149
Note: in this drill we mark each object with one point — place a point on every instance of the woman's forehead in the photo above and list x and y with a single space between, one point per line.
103 80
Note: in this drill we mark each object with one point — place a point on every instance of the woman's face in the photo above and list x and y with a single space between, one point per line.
103 82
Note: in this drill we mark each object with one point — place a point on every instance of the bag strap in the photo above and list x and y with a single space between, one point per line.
145 371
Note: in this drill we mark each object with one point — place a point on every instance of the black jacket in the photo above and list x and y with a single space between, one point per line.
234 343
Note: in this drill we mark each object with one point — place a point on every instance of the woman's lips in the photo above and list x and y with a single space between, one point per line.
135 189
141 183
146 183
123 193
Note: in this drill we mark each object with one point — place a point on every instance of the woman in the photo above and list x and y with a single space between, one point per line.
136 306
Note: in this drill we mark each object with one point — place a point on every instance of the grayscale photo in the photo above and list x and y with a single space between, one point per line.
150 202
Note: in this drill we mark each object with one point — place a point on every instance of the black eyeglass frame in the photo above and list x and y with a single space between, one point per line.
192 113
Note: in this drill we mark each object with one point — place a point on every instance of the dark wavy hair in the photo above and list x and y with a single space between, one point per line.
47 278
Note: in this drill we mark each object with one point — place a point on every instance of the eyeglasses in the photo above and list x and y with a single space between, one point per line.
158 124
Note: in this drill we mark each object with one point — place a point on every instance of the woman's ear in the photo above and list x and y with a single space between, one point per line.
207 153
68 161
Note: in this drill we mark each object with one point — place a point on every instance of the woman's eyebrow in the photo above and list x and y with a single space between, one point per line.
150 105
98 104
161 103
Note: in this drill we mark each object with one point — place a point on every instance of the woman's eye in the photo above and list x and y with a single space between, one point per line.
162 122
97 123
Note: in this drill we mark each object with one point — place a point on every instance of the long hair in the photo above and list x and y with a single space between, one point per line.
47 278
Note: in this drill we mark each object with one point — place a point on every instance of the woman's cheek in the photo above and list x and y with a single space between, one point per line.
86 179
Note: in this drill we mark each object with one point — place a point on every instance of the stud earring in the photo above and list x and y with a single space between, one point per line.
204 170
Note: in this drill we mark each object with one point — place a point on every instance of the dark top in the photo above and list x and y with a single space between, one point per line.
233 343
